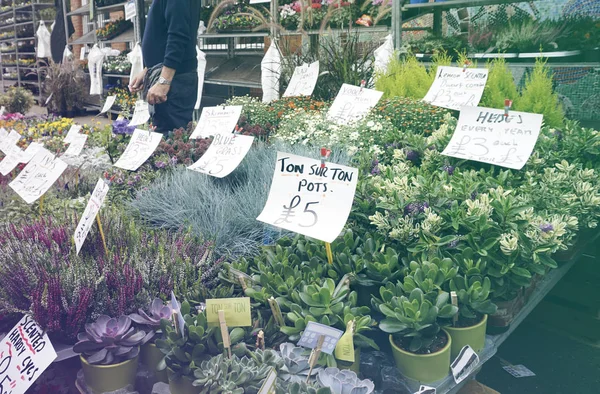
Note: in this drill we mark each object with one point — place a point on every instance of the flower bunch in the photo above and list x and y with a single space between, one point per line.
113 28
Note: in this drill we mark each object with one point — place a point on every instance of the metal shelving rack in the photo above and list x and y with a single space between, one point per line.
30 11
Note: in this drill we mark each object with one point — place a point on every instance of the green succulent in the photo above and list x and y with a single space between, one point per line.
300 388
473 296
429 276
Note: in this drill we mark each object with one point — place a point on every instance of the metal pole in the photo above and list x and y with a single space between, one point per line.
397 23
140 20
64 7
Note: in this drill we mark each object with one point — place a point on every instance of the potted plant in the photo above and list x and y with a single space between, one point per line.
17 100
150 355
474 306
109 351
420 346
343 381
67 84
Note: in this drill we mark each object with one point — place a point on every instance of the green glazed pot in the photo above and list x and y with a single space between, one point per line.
355 366
151 356
181 385
103 378
425 368
473 336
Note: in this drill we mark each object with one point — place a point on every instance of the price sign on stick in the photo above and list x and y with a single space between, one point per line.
9 141
456 87
17 156
141 113
73 133
237 311
312 333
76 145
3 135
310 199
488 136
110 101
224 155
91 210
141 146
465 363
38 176
217 120
25 353
352 103
303 80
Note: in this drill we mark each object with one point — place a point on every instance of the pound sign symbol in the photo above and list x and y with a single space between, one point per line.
288 212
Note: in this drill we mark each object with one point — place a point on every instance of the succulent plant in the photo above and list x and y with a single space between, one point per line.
344 382
300 388
151 322
296 367
473 297
109 341
429 276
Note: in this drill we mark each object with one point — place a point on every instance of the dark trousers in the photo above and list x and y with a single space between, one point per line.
177 111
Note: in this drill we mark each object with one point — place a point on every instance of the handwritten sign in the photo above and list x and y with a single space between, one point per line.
352 103
33 149
237 311
455 87
76 145
141 113
24 354
224 155
486 135
313 331
38 176
217 120
91 210
142 145
309 199
8 142
110 101
11 160
465 363
73 133
3 134
303 80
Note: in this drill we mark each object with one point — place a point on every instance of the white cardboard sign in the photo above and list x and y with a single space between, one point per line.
303 80
465 363
455 87
308 199
110 101
224 155
486 135
130 10
8 143
76 145
3 134
38 176
73 133
141 146
313 331
25 352
352 103
141 113
217 120
30 152
91 210
16 156
426 390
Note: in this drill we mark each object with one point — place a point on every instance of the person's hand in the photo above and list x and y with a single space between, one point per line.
158 94
137 83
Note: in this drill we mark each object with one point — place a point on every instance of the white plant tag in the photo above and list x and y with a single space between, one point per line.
455 87
313 331
465 363
268 386
73 133
224 155
217 120
110 101
426 390
352 103
91 210
130 10
141 146
518 371
76 145
303 80
141 113
7 144
38 176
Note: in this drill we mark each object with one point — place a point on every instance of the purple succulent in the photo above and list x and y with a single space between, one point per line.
109 341
158 311
546 227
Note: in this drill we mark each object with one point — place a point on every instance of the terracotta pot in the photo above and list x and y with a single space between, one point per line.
425 368
105 378
473 336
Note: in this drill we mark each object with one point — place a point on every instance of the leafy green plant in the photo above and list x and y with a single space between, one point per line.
500 85
17 100
473 297
404 77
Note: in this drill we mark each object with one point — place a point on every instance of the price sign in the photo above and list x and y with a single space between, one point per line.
10 161
76 145
237 311
455 87
8 143
130 10
309 199
303 80
224 155
72 134
3 134
24 354
352 103
141 113
38 176
465 363
142 145
91 210
110 101
33 149
426 390
313 331
217 120
488 136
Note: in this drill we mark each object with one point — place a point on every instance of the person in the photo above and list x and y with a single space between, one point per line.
169 80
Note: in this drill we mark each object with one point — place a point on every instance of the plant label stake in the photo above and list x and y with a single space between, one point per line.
268 386
242 282
507 106
42 204
467 64
329 252
454 300
465 363
225 333
363 83
101 233
260 340
325 153
277 315
314 356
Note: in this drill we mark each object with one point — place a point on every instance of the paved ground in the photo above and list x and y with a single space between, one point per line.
37 110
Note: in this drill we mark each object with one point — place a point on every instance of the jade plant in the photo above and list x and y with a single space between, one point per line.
429 276
109 341
150 322
414 321
473 298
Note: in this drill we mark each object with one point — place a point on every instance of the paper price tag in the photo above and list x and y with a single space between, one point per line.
352 103
486 135
91 210
76 145
38 176
455 87
518 371
110 101
3 134
33 149
313 331
465 363
141 146
25 353
82 52
73 133
308 199
217 120
178 317
8 143
130 10
268 386
237 311
303 80
10 161
224 155
426 390
141 113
